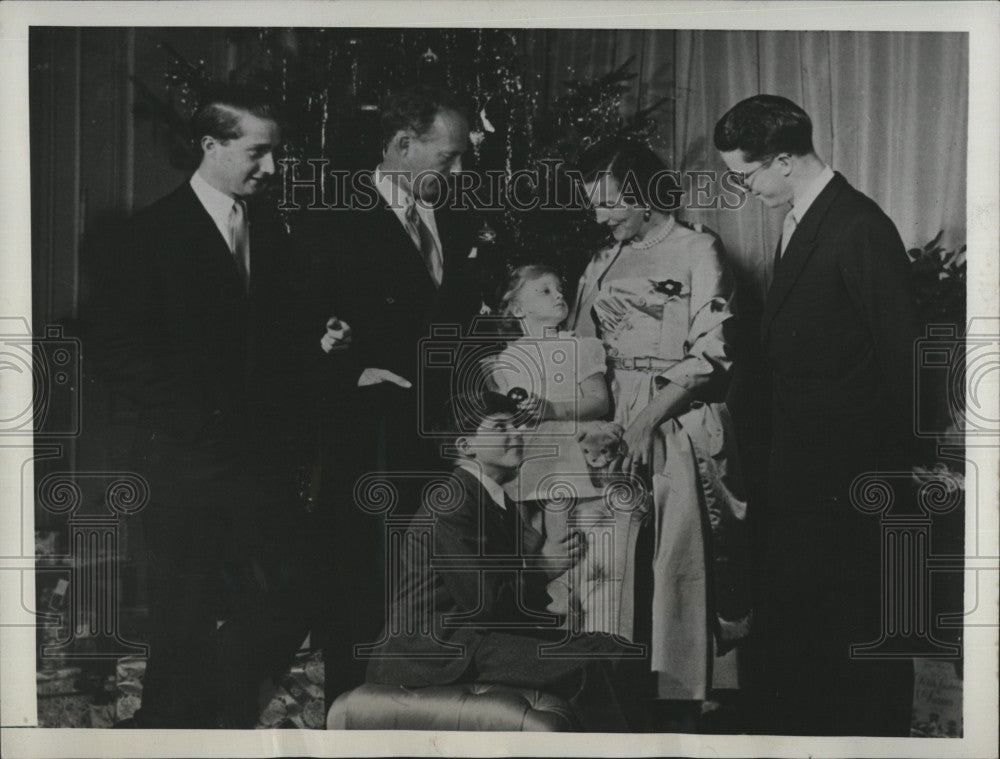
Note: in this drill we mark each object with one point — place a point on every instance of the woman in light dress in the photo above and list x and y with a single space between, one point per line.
660 298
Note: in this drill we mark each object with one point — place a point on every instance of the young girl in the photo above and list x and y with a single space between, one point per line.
564 376
559 381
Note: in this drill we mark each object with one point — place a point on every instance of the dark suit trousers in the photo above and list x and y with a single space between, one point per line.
603 688
817 689
227 560
374 431
821 594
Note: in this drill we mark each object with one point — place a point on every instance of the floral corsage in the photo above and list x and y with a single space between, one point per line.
668 287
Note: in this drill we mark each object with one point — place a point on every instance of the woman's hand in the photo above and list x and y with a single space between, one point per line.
671 400
638 440
537 408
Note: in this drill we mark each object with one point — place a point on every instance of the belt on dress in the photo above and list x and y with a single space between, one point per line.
641 363
648 364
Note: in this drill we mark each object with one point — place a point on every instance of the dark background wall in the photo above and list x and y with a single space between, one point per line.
92 160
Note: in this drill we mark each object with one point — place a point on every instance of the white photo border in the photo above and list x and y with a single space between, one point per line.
17 644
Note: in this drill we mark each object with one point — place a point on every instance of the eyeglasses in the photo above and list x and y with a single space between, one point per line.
743 180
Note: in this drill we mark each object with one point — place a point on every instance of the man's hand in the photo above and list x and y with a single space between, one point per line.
337 337
376 376
572 547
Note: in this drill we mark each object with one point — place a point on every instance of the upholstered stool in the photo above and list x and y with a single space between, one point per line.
466 706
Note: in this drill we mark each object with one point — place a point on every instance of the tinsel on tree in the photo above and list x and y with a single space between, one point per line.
331 83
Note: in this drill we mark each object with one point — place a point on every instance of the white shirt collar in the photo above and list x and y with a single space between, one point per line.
812 192
397 196
217 203
492 487
399 199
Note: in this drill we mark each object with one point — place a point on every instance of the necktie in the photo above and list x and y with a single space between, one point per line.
787 230
239 241
421 235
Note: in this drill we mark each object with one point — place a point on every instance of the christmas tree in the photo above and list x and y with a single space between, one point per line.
331 83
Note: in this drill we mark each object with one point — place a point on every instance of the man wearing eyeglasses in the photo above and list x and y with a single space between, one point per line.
838 328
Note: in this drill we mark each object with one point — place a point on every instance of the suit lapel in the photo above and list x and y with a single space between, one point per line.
804 240
268 248
396 229
200 229
451 253
493 519
387 220
261 241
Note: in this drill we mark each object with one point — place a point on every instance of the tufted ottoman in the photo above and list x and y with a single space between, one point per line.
461 706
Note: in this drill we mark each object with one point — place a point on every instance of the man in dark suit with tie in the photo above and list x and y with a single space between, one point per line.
193 322
839 326
481 619
393 264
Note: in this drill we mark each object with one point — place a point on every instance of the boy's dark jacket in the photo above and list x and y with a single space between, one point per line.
453 609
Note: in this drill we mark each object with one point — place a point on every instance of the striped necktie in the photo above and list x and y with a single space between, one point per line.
421 235
239 241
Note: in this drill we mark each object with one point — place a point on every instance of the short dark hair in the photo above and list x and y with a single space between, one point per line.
416 108
634 166
220 108
765 125
466 412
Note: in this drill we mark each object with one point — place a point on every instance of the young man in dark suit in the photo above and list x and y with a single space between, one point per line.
193 322
393 261
482 619
839 326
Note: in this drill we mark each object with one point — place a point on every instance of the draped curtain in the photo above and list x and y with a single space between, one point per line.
889 111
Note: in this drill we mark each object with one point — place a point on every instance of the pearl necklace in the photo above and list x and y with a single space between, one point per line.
657 237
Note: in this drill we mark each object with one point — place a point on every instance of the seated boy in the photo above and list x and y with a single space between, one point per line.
474 620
